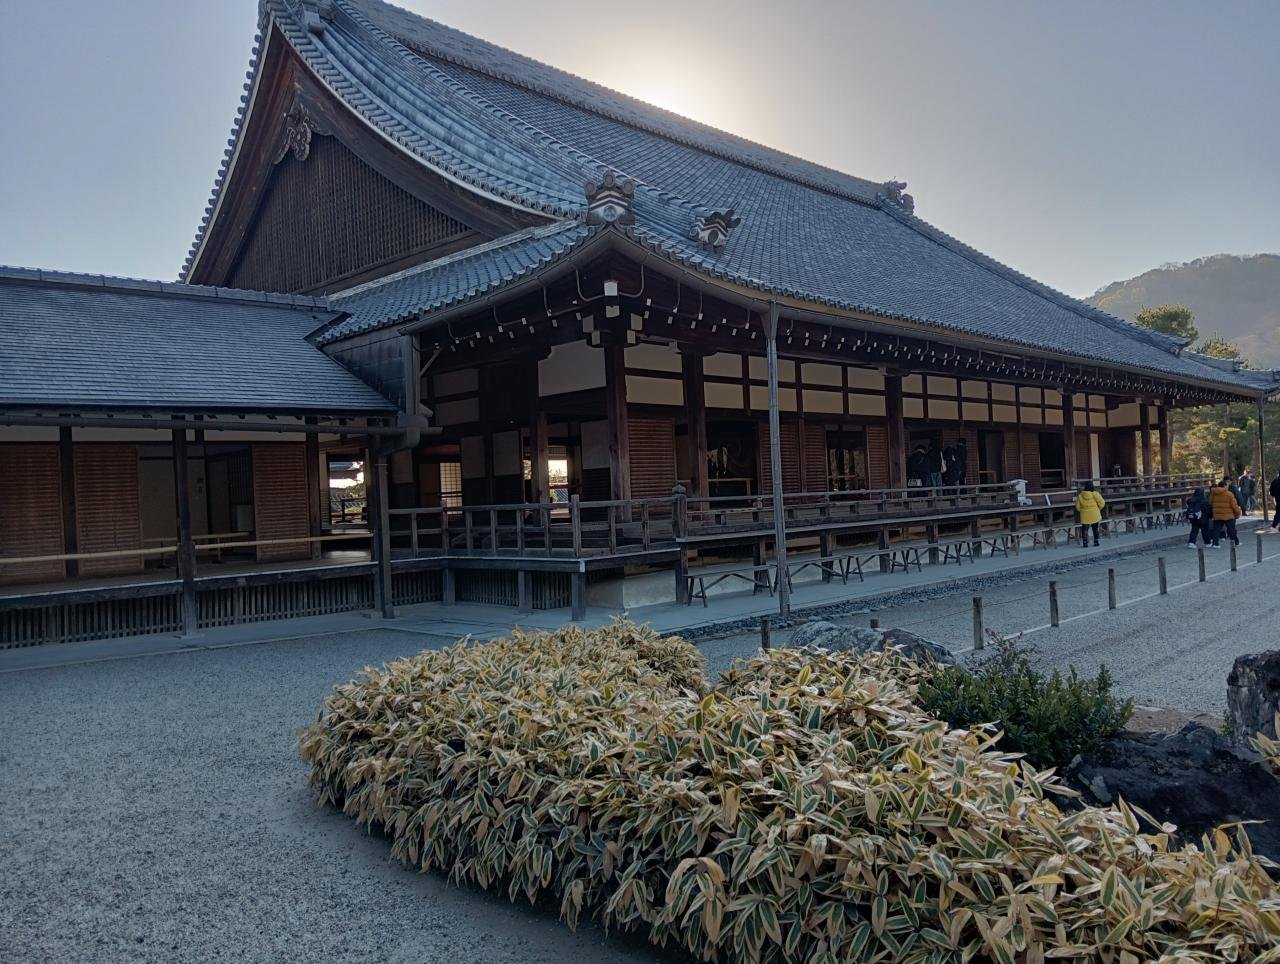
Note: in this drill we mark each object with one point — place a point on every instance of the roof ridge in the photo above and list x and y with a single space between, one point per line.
524 234
146 286
1155 339
725 152
596 168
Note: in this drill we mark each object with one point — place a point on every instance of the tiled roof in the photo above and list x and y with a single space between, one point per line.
98 342
452 279
529 135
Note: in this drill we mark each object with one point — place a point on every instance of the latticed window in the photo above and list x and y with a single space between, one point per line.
451 484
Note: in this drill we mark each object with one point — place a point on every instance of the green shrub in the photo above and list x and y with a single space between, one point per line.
805 809
1050 718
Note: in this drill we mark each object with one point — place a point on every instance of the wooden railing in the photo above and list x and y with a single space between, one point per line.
572 528
577 529
801 509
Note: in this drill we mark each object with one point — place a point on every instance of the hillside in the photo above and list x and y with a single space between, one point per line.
1233 296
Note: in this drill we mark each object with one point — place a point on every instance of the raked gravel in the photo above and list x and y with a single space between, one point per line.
156 809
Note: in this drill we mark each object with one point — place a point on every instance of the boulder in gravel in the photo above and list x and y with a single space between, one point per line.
1253 696
858 639
1194 778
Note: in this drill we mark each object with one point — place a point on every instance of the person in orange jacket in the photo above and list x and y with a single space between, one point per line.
1089 505
1226 509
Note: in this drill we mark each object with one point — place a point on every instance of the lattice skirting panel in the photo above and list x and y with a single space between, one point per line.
74 622
550 589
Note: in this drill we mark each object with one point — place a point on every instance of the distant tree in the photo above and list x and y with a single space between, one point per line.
1216 346
1175 320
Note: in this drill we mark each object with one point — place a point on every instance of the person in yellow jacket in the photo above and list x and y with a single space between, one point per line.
1089 511
1226 509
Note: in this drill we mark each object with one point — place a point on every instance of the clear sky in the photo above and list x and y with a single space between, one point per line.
1081 142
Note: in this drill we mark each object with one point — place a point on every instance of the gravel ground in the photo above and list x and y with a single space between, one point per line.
1173 651
156 809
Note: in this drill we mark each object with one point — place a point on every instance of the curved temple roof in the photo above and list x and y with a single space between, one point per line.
530 136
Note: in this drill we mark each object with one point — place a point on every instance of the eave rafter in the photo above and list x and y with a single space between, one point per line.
615 298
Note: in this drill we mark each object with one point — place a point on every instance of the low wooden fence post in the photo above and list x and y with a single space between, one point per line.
765 641
978 632
1200 554
1235 567
1111 589
1053 603
1258 539
1164 576
875 623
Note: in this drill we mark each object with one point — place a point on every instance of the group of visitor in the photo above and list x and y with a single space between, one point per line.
934 468
1213 515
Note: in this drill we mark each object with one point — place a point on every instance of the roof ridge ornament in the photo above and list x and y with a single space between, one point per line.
314 13
713 229
611 200
895 191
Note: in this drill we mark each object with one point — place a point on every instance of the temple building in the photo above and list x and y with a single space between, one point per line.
563 343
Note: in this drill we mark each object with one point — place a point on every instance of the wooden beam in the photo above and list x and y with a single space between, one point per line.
695 406
897 431
67 466
615 390
539 445
1144 414
186 554
1069 437
380 528
312 447
1166 439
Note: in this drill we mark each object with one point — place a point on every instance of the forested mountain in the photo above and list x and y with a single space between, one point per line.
1237 297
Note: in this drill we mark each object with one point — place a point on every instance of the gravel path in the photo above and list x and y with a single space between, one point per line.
1170 651
156 809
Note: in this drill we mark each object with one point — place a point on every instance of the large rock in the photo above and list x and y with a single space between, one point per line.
1253 696
858 639
1194 778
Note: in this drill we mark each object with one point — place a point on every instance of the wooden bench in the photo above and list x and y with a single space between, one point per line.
956 550
904 557
1000 542
842 564
709 577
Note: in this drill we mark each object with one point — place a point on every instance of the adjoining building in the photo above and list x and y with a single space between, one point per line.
586 338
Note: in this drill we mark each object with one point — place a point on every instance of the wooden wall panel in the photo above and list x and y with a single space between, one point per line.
280 499
30 512
878 456
790 458
332 216
108 507
814 458
1031 458
1084 462
652 451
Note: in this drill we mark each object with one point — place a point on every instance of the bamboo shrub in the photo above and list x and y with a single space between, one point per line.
804 809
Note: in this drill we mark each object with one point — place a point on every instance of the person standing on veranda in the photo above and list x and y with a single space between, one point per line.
1089 505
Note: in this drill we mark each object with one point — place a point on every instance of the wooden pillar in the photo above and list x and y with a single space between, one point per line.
897 431
1144 414
314 523
1069 438
539 444
775 464
615 390
695 406
67 465
380 530
1166 439
186 555
1264 481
